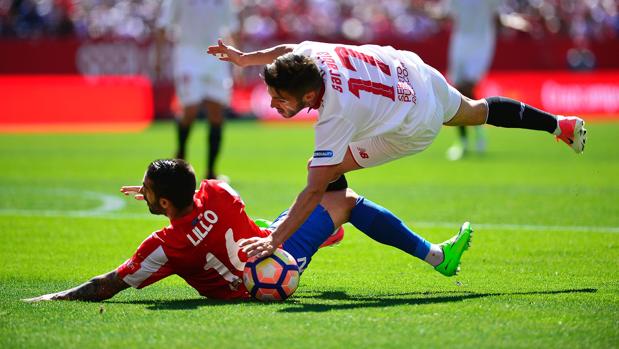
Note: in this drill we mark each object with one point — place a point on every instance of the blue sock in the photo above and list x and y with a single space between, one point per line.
383 226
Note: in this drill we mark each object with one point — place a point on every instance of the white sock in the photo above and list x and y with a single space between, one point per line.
435 256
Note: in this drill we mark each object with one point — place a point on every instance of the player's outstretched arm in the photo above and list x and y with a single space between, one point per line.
317 181
243 59
94 290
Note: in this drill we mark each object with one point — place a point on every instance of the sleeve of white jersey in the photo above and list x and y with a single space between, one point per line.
304 48
333 135
147 265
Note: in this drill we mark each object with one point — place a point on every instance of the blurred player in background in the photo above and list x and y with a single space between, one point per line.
471 49
375 104
201 82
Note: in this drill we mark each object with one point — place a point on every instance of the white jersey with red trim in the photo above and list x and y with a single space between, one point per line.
200 247
369 91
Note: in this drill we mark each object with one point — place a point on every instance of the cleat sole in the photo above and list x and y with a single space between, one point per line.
580 137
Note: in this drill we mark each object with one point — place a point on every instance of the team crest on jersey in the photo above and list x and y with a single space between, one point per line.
323 154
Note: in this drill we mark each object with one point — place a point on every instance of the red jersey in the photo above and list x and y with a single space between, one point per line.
200 247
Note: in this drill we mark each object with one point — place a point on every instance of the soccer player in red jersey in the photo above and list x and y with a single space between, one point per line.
201 244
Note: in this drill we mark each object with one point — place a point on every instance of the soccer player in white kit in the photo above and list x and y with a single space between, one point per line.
375 104
200 82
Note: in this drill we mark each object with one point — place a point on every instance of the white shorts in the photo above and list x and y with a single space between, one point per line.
413 136
469 58
198 77
192 88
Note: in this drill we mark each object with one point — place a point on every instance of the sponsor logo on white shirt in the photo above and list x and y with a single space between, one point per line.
323 154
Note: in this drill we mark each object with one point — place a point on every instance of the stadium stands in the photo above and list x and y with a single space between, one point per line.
113 37
269 20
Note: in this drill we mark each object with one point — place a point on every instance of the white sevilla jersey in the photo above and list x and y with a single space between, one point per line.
369 91
199 23
474 18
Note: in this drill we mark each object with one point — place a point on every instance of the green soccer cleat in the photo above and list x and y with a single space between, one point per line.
453 250
262 223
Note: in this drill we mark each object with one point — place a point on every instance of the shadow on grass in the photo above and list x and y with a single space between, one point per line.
327 301
340 300
179 304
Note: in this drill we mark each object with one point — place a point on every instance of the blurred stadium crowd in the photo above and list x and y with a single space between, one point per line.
296 20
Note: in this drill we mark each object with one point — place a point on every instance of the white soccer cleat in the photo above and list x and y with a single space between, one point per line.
573 132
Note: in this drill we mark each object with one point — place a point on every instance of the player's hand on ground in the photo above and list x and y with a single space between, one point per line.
134 190
257 247
225 53
43 298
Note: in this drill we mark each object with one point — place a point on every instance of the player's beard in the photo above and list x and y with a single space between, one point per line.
154 207
287 114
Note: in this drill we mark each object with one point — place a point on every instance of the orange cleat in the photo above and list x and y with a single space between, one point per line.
335 238
573 132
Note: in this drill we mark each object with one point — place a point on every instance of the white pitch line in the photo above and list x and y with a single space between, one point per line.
526 227
112 203
109 203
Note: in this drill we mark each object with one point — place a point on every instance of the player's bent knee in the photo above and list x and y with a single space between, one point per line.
351 198
189 115
339 204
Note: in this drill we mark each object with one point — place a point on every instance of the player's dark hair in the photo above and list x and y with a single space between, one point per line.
293 73
173 179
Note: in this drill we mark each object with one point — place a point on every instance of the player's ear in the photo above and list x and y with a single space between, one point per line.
308 98
165 203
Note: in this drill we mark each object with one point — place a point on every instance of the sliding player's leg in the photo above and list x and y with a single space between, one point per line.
341 206
383 226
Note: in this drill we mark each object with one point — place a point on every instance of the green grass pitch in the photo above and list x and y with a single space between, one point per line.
542 270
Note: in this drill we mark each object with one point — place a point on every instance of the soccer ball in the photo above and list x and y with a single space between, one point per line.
272 278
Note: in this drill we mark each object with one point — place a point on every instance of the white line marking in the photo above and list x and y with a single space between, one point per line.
526 227
112 203
109 203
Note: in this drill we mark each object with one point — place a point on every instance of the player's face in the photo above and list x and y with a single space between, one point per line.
151 199
286 104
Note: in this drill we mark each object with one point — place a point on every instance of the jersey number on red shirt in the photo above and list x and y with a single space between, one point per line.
212 262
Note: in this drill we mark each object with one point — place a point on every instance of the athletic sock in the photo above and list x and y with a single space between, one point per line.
214 141
435 256
183 134
383 226
506 112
